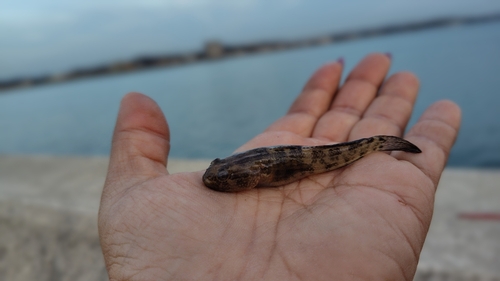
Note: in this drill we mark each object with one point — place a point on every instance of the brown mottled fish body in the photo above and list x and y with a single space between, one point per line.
280 165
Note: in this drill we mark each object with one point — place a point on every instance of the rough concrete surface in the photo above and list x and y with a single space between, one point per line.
48 221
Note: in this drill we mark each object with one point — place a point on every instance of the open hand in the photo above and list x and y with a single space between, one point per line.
367 221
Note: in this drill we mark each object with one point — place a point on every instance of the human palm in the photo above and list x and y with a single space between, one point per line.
367 221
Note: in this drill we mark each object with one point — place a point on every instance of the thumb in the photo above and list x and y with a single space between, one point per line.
141 142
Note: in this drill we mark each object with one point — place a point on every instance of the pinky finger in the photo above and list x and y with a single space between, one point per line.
434 133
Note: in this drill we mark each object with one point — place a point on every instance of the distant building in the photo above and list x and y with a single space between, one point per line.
214 49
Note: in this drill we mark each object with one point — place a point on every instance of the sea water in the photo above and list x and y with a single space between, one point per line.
214 107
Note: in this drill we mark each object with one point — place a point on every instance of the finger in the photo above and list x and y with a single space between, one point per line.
353 98
391 110
141 141
312 102
434 133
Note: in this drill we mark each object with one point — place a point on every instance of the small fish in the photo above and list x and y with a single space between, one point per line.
280 165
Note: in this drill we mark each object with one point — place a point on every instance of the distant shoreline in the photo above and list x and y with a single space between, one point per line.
215 50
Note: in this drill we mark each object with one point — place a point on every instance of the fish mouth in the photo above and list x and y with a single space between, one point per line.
214 183
209 180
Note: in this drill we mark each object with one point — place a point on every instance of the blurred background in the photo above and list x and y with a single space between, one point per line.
214 106
222 71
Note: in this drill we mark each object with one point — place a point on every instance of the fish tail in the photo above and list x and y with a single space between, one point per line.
391 143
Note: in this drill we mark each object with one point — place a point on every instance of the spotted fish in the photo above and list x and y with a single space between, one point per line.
280 165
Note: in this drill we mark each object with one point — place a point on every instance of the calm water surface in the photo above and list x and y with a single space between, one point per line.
212 108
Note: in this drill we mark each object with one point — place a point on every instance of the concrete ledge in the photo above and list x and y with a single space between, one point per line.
455 244
42 243
48 221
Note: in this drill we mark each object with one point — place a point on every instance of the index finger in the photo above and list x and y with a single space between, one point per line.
312 103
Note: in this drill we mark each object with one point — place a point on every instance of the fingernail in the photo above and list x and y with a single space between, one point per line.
341 61
389 55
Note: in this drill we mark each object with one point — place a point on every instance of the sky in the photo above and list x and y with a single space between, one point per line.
47 36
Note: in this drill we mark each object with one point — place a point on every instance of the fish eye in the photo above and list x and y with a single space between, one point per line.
222 174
